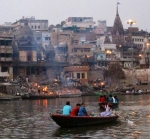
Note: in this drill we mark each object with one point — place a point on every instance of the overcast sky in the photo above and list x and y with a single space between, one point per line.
59 10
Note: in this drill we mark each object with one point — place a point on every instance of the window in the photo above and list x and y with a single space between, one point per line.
32 27
47 38
101 56
38 27
83 75
78 75
35 27
81 50
8 55
3 54
4 69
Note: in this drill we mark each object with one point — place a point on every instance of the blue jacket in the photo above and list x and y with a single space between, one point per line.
82 111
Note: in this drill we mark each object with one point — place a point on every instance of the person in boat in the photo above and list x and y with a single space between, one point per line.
103 99
67 109
110 99
75 110
100 98
107 111
82 110
116 99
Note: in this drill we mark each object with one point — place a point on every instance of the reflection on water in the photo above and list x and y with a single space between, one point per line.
30 119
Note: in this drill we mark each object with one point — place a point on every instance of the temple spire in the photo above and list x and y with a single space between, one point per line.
117 8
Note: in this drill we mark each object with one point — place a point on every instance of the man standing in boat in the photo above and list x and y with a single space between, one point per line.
67 109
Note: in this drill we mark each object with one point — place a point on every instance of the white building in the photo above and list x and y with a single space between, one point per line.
85 22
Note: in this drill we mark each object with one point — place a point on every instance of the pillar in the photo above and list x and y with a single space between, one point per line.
11 73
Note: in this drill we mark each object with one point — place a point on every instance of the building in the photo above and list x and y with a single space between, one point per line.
82 22
34 24
77 72
45 39
6 52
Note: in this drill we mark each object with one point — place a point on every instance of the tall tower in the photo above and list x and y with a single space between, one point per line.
117 30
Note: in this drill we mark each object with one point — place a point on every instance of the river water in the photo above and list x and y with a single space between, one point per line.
29 119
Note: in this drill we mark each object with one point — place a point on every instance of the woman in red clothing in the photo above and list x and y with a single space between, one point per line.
75 110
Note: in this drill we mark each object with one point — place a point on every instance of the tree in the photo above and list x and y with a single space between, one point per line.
115 72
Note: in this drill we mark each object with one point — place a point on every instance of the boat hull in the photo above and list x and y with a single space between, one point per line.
9 98
76 121
33 97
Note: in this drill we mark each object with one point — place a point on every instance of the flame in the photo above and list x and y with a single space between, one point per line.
50 93
45 89
102 83
35 84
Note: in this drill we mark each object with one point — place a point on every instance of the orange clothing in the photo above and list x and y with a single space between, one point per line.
75 111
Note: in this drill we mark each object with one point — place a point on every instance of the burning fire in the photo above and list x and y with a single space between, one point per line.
45 89
50 93
35 84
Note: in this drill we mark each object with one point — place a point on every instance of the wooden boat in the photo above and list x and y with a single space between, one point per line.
36 96
138 93
112 105
105 93
126 93
75 121
10 98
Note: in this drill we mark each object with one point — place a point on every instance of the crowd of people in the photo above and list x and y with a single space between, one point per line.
107 104
79 110
110 99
